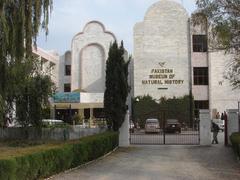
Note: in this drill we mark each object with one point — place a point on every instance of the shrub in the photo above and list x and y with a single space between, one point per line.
47 162
77 119
8 169
235 140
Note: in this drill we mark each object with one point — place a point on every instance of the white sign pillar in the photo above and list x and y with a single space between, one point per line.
232 122
124 132
205 128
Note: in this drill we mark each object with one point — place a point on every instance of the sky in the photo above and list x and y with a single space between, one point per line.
118 16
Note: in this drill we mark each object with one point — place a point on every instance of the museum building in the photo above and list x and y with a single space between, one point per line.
171 58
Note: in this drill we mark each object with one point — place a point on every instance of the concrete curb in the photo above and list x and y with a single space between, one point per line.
83 165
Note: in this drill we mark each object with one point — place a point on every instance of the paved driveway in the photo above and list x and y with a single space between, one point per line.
162 162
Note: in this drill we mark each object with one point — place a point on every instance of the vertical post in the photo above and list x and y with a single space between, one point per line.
54 111
164 119
132 112
130 132
232 122
124 132
225 128
190 71
238 116
70 113
91 117
205 128
198 124
191 108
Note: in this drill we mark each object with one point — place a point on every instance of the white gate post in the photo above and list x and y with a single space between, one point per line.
124 132
205 128
232 122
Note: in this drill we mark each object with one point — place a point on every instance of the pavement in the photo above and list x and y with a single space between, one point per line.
164 162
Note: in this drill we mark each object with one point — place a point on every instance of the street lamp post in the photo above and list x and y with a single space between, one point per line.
162 111
238 116
133 112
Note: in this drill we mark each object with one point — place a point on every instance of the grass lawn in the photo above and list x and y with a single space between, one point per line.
16 148
10 149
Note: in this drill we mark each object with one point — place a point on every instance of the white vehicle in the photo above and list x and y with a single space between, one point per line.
152 126
131 127
52 121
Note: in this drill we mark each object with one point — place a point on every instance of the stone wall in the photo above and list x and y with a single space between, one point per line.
71 133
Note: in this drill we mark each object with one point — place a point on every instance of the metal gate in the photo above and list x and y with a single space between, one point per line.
169 132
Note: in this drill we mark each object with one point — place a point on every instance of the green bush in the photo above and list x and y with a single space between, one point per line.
235 140
77 119
8 169
51 161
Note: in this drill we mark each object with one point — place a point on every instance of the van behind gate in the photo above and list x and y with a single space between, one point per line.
152 126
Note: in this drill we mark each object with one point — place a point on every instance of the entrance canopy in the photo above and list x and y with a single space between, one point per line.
78 100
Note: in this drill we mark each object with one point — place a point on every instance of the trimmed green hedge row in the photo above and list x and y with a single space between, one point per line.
66 156
235 140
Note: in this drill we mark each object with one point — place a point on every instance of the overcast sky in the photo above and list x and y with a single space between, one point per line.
119 16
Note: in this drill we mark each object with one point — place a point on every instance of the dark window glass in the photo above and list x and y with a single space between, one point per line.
199 43
200 75
68 70
67 87
201 104
86 113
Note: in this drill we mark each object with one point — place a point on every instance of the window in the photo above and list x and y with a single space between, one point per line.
43 61
86 113
201 104
200 75
199 43
51 68
67 87
68 70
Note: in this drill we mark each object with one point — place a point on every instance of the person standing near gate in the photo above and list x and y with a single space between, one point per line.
222 116
215 129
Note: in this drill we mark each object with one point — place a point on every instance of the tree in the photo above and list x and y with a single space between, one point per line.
33 99
174 108
180 108
223 17
117 88
144 107
19 25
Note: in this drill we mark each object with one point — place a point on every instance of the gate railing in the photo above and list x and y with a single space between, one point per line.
188 135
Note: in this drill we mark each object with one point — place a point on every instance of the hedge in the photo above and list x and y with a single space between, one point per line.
235 140
51 161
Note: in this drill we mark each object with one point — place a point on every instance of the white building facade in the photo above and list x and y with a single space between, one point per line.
49 63
161 52
171 58
82 73
83 68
